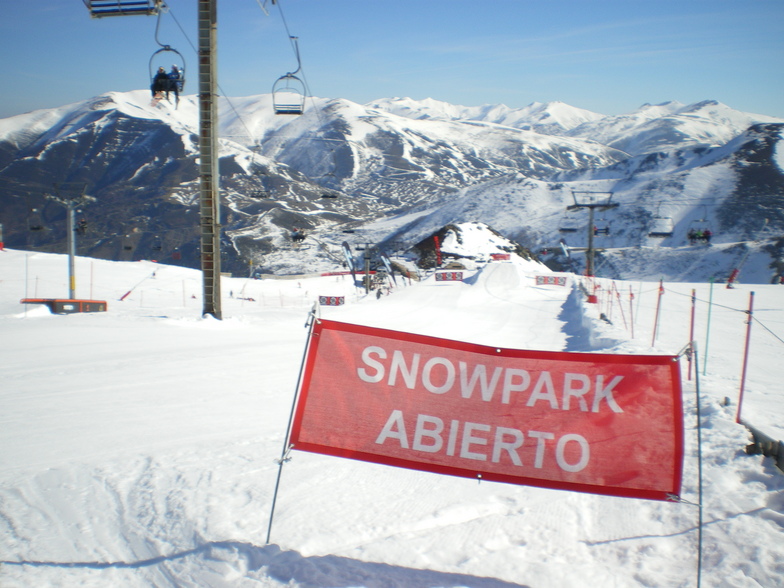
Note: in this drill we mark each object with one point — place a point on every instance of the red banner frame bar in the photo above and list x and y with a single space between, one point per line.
599 423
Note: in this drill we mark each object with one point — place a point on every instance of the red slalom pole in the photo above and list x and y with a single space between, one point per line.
656 318
745 357
620 306
631 309
691 328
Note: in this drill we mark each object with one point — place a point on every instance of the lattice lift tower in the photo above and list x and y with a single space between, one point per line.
209 194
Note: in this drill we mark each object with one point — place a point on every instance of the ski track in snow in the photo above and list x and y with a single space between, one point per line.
138 446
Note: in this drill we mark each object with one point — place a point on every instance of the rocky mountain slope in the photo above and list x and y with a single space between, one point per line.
394 172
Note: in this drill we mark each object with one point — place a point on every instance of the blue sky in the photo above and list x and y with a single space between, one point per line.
606 56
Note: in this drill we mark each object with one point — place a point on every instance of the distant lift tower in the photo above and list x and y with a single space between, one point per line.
209 194
591 201
72 197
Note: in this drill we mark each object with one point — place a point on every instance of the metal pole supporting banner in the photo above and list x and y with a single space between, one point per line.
286 447
745 357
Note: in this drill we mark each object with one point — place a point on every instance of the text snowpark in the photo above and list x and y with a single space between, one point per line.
484 441
439 376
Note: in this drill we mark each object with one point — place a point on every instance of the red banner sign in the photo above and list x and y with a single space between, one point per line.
599 423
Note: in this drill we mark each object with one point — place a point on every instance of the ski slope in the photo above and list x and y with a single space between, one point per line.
138 447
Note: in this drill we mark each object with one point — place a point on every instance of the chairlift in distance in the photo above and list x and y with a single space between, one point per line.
288 91
601 227
662 225
34 220
81 224
568 225
702 223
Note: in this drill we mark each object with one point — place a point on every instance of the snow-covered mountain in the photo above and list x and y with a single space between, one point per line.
550 118
669 126
397 171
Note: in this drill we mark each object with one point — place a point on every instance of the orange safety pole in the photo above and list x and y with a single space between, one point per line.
745 357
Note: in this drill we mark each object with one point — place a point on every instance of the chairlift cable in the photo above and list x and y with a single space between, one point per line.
182 30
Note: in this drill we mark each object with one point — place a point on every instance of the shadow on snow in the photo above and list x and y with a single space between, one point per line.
288 566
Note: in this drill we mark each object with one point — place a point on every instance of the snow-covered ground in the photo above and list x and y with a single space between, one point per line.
138 446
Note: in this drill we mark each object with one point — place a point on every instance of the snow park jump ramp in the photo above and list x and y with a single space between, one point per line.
501 304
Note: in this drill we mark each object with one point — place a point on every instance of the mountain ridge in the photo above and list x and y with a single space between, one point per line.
344 166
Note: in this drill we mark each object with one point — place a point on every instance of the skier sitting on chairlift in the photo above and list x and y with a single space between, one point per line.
174 84
160 84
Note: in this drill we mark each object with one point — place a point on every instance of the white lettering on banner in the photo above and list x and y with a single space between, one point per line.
440 376
479 442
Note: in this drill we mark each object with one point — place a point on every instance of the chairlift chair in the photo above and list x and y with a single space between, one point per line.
162 56
288 95
288 91
662 227
34 222
568 225
101 8
172 84
701 223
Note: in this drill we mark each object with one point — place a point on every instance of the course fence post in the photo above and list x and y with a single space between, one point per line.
745 357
